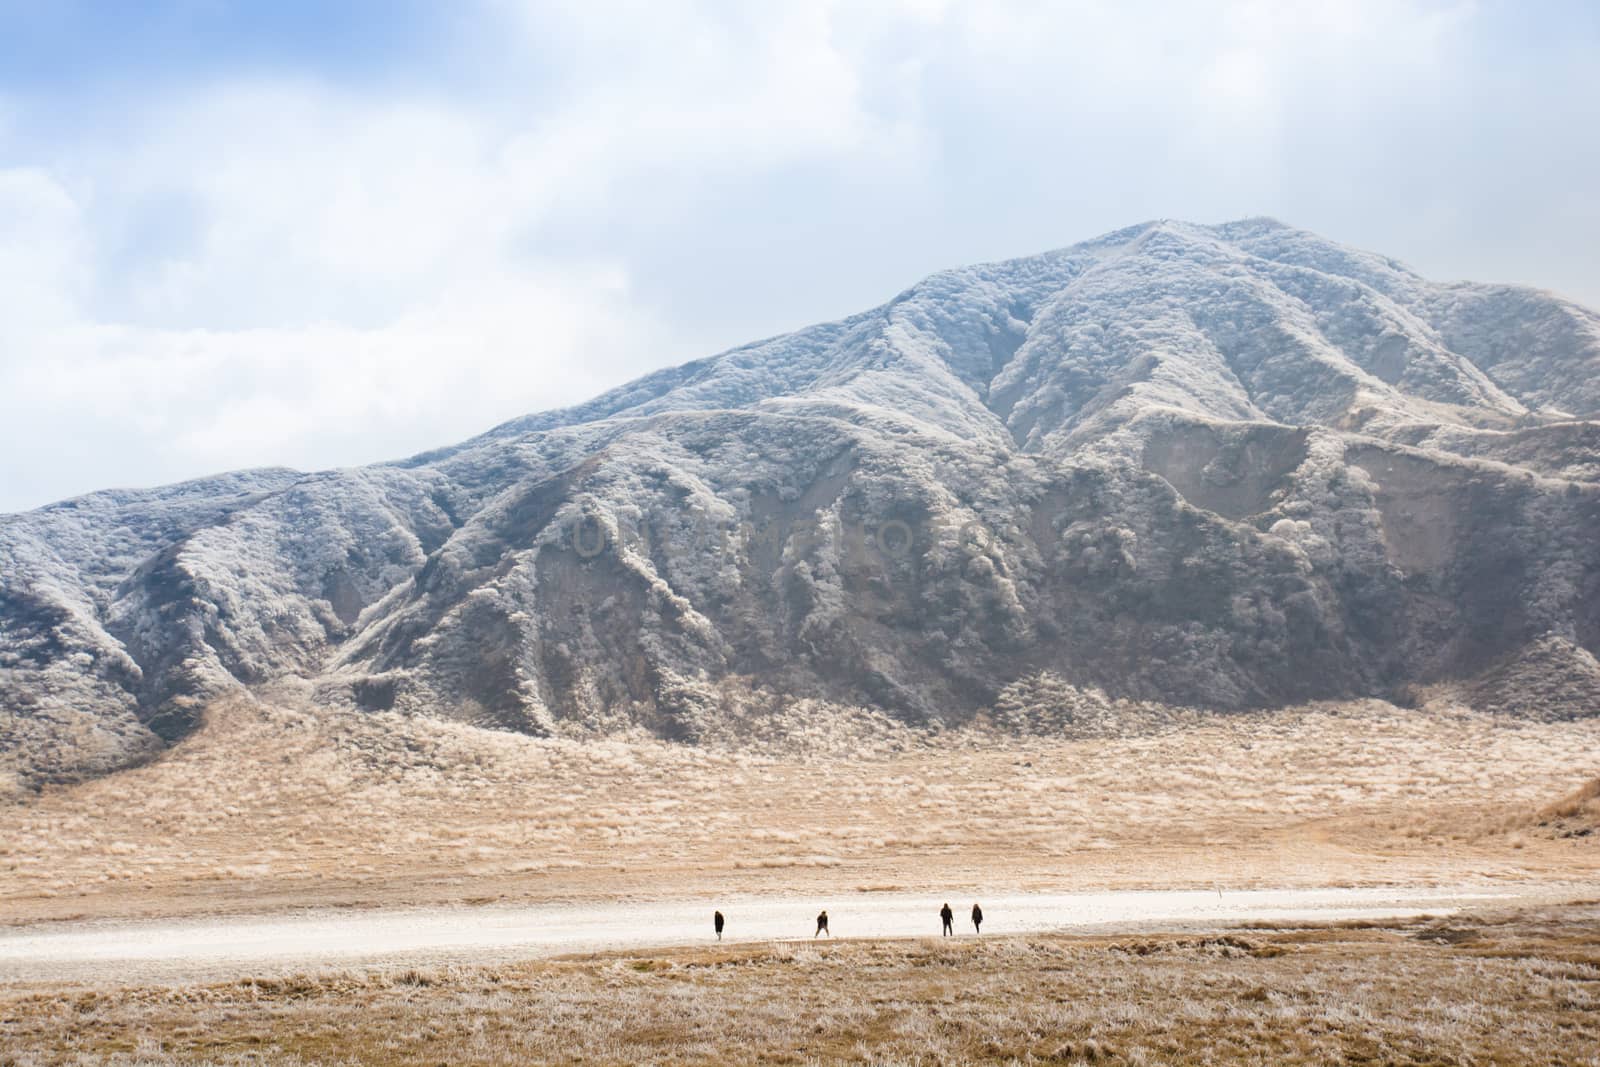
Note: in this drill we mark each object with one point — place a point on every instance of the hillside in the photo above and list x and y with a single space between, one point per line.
1215 466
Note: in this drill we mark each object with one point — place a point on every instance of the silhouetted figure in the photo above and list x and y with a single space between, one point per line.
948 917
977 919
716 921
822 925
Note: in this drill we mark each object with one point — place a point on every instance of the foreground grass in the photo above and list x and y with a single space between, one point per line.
1514 989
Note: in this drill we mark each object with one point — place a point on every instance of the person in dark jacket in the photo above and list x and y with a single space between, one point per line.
822 925
948 917
977 919
716 921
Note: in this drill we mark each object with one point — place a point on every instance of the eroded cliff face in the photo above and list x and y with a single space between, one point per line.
1213 466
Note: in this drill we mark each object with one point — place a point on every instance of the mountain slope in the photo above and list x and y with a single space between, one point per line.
1225 466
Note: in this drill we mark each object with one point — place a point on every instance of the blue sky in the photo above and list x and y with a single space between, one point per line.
317 234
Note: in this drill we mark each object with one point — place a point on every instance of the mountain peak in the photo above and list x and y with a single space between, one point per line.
1219 465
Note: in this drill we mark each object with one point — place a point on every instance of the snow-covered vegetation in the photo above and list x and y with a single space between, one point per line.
1217 467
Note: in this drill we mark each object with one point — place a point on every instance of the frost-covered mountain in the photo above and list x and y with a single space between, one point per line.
1221 466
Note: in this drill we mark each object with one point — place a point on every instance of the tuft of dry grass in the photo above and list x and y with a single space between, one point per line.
1583 800
1574 816
1505 989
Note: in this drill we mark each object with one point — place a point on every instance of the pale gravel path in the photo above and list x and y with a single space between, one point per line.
216 948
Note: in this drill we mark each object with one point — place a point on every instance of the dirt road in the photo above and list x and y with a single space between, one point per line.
186 949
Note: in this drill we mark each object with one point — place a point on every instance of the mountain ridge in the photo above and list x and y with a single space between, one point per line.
1227 466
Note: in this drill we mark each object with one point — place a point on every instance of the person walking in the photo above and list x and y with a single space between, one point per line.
822 925
948 917
716 921
977 919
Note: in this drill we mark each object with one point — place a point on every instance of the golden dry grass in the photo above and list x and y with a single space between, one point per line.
1583 801
1514 989
271 806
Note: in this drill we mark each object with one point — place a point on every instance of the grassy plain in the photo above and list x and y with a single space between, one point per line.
1513 988
271 807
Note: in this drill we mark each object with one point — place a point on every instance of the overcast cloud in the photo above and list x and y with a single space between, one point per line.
315 235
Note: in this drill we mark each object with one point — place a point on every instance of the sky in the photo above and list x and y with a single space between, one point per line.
315 233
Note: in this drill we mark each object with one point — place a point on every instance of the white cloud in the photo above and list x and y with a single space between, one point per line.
334 276
348 296
43 251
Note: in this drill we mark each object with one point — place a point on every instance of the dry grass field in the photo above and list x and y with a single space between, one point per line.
1520 988
269 806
